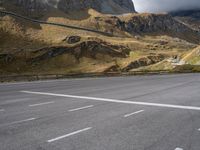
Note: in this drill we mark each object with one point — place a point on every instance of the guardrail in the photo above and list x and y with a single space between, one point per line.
9 78
2 12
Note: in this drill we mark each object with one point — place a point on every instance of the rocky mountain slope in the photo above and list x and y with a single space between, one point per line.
104 6
190 18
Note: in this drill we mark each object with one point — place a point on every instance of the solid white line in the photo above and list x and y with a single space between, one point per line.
178 148
81 108
137 112
39 104
67 135
117 101
21 121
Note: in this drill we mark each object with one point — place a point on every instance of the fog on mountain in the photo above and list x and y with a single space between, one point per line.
165 5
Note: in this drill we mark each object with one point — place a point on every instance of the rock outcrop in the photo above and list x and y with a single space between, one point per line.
152 23
144 61
88 49
72 39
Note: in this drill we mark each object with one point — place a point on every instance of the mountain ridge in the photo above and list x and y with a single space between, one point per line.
103 6
191 18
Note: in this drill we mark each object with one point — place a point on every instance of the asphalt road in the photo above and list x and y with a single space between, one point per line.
116 113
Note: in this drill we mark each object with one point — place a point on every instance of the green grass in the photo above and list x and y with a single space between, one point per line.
195 60
187 68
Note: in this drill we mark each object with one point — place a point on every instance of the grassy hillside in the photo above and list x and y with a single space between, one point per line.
193 56
139 42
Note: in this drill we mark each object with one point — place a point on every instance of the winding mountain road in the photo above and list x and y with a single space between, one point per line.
2 12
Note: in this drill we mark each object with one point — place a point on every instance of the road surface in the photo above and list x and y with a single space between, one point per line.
115 113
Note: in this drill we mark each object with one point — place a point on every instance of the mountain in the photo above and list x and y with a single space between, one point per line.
104 6
189 17
132 42
187 13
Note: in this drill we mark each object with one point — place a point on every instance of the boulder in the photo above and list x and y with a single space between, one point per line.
73 39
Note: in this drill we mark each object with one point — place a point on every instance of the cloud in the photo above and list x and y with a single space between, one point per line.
165 5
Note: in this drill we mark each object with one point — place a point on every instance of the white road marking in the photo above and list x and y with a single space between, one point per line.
81 108
39 104
117 101
67 135
2 110
21 121
137 112
178 148
199 129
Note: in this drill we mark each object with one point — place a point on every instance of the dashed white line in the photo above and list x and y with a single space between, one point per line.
21 121
67 135
137 112
40 104
81 108
118 101
178 148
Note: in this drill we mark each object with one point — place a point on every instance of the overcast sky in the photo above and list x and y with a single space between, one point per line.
164 5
